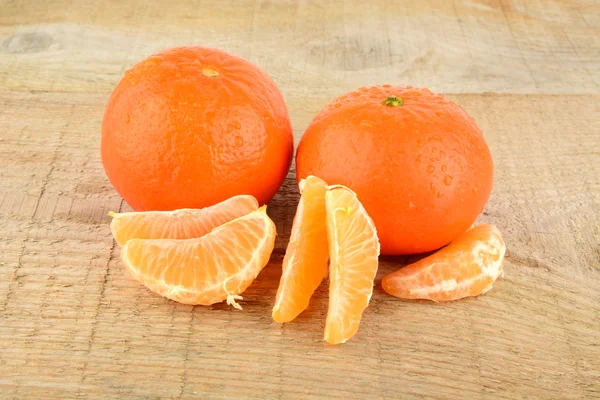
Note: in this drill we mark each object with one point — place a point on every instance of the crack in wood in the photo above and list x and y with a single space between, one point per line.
97 310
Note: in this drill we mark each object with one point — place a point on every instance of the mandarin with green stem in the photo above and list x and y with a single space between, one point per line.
418 162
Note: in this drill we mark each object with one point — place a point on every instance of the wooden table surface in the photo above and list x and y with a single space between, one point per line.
74 324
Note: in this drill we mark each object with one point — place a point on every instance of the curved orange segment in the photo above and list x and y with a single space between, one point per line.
305 262
466 267
353 253
215 267
186 223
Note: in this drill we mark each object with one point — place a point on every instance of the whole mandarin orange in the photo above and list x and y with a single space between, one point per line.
417 161
192 126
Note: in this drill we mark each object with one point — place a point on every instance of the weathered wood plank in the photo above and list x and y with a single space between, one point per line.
312 49
74 324
73 319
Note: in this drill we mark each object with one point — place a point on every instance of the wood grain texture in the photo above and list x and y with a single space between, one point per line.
74 324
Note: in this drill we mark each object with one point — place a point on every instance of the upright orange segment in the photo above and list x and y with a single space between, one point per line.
353 254
215 267
466 267
186 223
305 261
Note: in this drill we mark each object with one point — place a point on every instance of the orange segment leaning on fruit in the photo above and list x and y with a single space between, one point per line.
186 223
466 267
215 267
305 262
353 255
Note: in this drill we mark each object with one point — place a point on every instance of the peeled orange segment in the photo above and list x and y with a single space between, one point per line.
215 267
466 267
305 261
186 223
353 255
